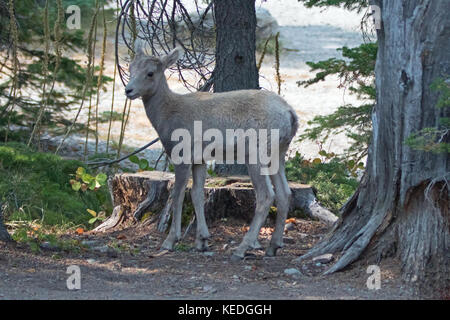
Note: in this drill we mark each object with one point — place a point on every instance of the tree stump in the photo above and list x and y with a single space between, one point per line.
144 195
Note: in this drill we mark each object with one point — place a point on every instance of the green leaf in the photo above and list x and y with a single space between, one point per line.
143 164
101 178
92 220
92 212
80 171
134 159
92 185
87 178
351 164
76 185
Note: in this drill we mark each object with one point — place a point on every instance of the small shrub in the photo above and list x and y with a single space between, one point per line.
333 181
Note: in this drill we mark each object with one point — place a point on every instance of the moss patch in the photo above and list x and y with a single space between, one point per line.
35 186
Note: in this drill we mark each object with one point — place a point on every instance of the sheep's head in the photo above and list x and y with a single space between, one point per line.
147 72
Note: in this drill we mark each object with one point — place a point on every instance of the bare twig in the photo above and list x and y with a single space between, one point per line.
162 25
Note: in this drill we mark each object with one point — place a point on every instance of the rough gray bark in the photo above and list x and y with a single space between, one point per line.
235 45
401 207
4 235
235 55
138 193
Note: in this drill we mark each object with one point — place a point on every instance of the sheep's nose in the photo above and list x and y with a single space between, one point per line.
128 91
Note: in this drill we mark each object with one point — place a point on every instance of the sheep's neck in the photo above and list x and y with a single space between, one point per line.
155 104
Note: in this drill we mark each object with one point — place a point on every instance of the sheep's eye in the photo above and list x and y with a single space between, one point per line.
150 74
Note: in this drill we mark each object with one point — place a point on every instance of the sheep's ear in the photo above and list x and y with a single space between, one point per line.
138 48
172 57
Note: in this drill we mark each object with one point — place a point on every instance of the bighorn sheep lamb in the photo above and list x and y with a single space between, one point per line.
238 110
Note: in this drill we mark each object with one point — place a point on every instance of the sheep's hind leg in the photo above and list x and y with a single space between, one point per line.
264 199
182 173
282 198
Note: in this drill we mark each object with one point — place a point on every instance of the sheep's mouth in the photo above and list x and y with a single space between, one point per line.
133 96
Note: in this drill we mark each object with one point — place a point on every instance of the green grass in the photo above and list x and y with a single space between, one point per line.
35 187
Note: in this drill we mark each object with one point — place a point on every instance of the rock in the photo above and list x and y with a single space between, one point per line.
91 261
288 240
208 253
105 249
289 227
292 272
89 243
209 289
102 249
324 259
266 24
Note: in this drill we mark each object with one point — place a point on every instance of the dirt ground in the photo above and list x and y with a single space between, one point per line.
134 268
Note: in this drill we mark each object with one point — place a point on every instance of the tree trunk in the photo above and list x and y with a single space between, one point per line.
4 235
235 54
235 45
401 208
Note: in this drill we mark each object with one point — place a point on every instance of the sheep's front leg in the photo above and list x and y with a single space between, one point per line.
198 199
182 173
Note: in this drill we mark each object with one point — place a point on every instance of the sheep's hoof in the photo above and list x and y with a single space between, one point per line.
167 245
201 245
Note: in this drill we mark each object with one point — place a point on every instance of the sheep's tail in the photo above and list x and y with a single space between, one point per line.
294 123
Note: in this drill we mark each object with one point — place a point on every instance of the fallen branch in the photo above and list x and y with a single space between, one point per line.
99 164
